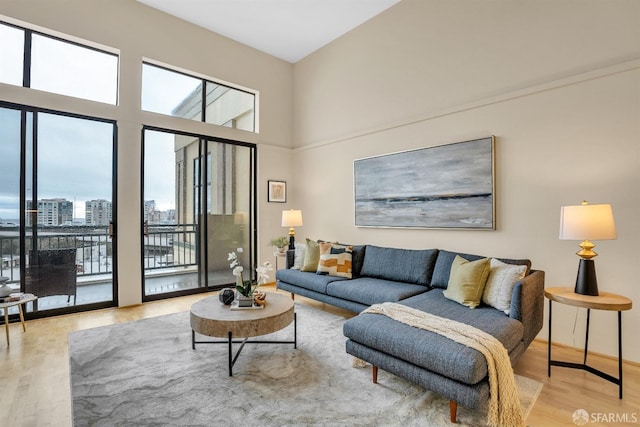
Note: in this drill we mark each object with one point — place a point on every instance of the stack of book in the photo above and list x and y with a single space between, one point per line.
16 296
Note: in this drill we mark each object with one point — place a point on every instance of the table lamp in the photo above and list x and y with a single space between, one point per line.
587 222
292 218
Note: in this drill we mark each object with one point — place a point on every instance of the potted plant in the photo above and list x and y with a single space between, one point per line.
280 242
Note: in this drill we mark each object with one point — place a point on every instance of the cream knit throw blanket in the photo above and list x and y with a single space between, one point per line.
504 405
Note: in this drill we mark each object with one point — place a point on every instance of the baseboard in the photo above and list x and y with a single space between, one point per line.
592 353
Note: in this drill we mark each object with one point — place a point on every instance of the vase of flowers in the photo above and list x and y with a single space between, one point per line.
247 288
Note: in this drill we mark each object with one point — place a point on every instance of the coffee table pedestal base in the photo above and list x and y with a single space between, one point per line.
230 341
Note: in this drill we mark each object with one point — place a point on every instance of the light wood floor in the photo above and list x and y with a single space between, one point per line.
35 390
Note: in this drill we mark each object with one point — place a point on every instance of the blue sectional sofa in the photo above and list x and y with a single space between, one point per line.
419 279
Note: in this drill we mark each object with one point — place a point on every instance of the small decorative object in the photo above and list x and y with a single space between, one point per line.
5 290
247 288
226 296
280 242
244 301
277 191
260 298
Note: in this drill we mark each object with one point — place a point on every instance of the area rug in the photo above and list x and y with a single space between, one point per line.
144 373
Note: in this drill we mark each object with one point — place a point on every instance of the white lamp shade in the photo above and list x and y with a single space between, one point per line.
292 218
587 222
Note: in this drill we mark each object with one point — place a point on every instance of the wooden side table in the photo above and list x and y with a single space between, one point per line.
5 305
278 254
604 301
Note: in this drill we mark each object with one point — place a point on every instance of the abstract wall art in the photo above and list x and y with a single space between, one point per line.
447 186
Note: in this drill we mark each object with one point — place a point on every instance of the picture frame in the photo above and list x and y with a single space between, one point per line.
277 191
448 186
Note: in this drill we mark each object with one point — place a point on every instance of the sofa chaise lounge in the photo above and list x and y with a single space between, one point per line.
419 279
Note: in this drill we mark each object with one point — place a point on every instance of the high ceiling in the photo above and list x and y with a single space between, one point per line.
287 29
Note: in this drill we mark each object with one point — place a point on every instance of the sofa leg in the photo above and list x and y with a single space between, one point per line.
453 411
374 373
293 296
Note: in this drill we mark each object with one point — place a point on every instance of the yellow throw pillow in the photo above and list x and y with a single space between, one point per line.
467 280
311 256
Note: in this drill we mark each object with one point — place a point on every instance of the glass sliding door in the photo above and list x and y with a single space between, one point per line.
56 226
197 207
170 241
69 212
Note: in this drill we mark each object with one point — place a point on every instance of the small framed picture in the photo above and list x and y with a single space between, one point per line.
277 191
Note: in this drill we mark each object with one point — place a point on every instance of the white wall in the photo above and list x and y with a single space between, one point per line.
141 32
557 83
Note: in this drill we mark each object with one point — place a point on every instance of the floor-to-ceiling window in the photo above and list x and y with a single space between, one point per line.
57 194
198 192
69 75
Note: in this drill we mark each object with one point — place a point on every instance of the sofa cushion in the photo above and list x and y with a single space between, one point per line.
311 281
499 288
467 281
311 256
368 291
298 259
440 278
430 350
357 258
401 265
335 260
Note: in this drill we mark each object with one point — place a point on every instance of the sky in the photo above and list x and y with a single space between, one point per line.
75 155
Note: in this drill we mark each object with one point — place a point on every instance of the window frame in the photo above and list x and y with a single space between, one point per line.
204 227
25 197
27 56
203 92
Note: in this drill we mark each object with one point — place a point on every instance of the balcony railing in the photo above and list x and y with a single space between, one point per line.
165 246
170 246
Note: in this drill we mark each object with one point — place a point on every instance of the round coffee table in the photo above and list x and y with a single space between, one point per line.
212 318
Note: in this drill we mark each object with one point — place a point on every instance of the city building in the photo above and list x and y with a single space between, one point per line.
98 212
51 212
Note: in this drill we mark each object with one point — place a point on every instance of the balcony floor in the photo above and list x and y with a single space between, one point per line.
94 289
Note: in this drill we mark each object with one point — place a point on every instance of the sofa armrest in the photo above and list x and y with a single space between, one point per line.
527 304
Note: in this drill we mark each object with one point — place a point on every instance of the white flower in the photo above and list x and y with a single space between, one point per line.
239 250
237 271
233 258
263 272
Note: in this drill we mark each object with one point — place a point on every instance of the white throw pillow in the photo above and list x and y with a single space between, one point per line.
299 257
499 287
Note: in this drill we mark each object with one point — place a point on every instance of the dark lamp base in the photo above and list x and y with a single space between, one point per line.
586 282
